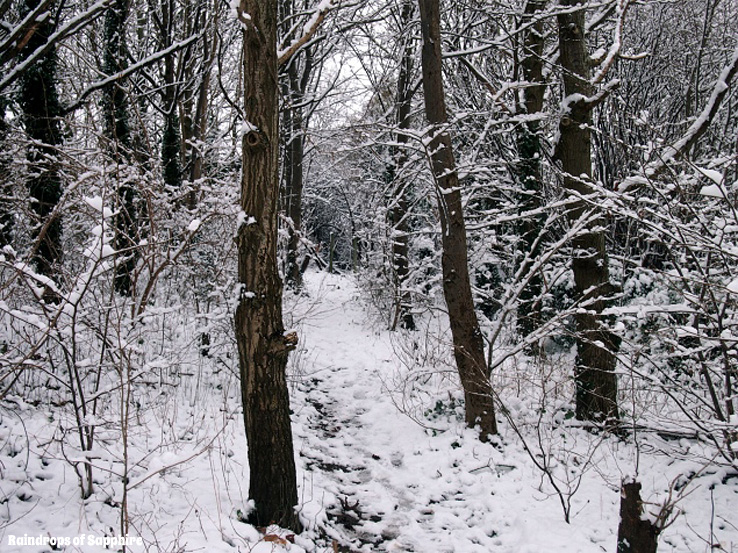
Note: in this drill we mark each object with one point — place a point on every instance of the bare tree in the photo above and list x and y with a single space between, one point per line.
528 168
120 142
262 344
298 69
596 382
467 337
400 210
39 100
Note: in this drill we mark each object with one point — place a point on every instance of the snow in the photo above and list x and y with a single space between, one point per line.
194 225
716 189
247 127
310 25
733 286
698 126
714 176
95 202
713 191
570 100
385 462
62 30
243 219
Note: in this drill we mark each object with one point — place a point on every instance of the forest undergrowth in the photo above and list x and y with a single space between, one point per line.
385 462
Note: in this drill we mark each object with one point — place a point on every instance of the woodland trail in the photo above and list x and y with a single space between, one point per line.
374 479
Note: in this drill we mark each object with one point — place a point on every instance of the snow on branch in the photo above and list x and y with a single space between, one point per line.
69 29
132 69
614 52
23 31
695 131
309 30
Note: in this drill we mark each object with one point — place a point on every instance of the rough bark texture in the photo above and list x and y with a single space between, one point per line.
295 155
262 345
466 335
398 156
171 146
635 535
118 132
528 168
596 382
6 183
39 101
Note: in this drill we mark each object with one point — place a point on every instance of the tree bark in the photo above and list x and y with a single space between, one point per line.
262 344
635 534
39 101
465 332
528 168
398 158
596 382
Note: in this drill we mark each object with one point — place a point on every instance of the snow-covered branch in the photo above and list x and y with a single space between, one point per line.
309 30
695 131
74 25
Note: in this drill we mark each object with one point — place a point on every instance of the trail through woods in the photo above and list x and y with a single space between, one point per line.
379 481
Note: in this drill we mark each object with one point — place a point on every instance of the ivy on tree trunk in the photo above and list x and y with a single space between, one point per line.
594 373
117 130
527 170
39 102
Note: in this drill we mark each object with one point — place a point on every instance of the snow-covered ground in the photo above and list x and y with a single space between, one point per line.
384 460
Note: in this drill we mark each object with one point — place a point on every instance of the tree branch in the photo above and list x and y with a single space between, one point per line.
69 29
310 29
129 70
693 134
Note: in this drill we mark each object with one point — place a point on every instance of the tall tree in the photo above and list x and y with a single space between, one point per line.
262 344
117 130
596 382
297 72
6 188
171 141
302 51
398 158
195 99
39 100
466 334
527 170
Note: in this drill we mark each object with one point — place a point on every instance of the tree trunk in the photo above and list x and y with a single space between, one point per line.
528 168
398 158
171 142
635 534
596 382
295 155
465 332
6 184
118 132
39 102
297 73
262 345
194 106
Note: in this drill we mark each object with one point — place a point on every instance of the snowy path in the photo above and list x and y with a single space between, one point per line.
380 482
